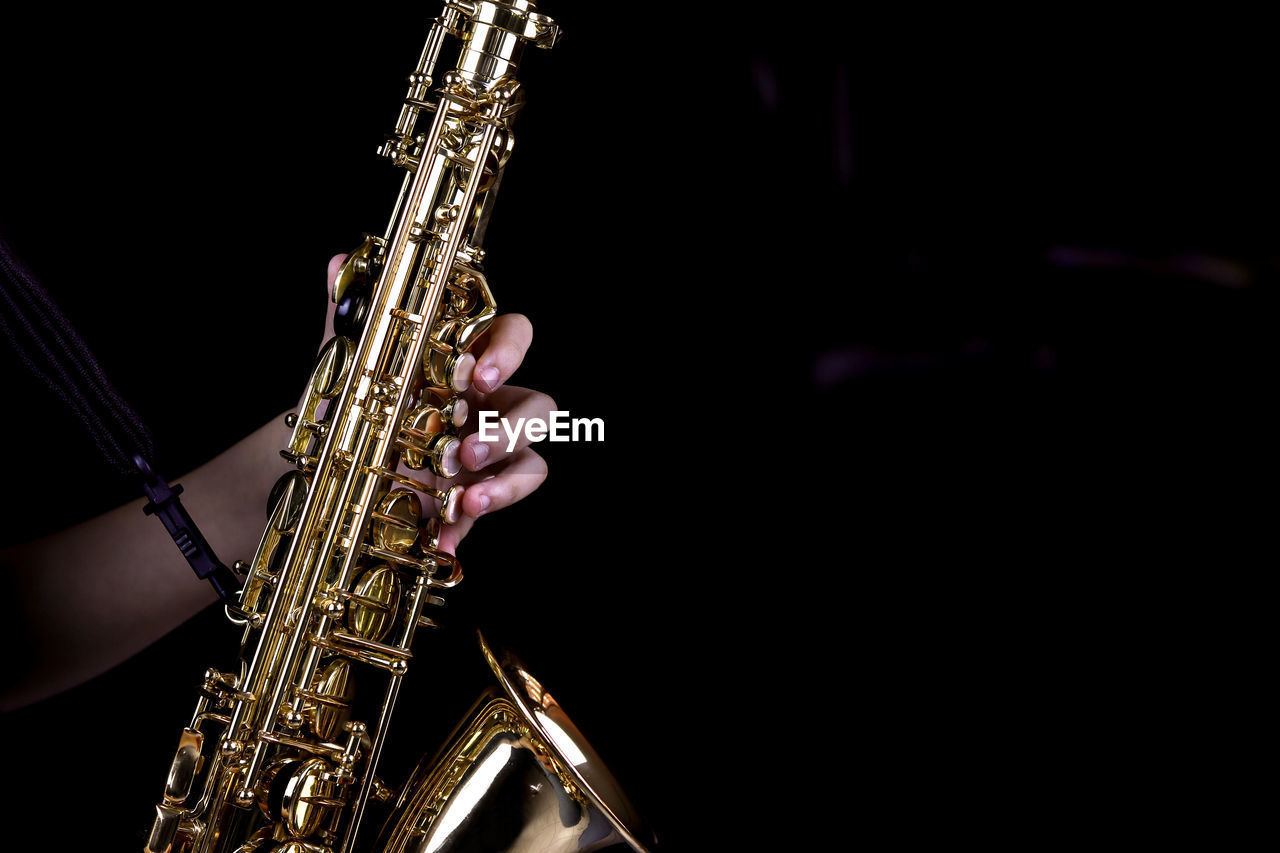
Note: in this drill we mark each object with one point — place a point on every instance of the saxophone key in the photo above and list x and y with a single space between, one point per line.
408 317
186 764
351 642
357 736
373 602
419 426
450 499
240 616
429 600
445 349
420 232
445 458
473 255
361 265
455 411
353 309
392 659
458 371
395 520
298 793
306 425
440 451
332 366
304 463
164 830
328 705
429 565
388 389
450 503
284 503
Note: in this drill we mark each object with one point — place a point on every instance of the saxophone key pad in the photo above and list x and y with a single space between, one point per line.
373 602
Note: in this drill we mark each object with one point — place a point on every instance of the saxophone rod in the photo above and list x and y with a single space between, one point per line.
443 264
326 453
367 350
384 718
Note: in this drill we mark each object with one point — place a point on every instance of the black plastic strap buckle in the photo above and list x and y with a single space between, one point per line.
166 506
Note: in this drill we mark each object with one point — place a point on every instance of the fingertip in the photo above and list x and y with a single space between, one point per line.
451 535
475 502
488 378
523 326
474 453
507 341
448 542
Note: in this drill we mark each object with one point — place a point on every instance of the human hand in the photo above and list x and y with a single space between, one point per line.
493 476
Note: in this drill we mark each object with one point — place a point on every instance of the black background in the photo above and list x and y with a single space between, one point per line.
929 348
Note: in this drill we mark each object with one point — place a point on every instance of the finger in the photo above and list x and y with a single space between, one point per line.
503 347
514 405
518 479
451 535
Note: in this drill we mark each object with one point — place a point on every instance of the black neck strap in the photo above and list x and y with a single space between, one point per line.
49 346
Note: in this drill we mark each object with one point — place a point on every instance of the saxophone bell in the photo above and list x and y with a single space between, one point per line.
516 775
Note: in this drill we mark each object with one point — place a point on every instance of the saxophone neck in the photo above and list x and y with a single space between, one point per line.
494 33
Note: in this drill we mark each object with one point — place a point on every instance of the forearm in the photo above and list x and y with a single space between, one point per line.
97 593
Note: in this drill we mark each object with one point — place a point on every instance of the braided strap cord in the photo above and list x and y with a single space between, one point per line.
49 346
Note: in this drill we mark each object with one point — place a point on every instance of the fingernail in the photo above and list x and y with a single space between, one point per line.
481 452
489 376
484 505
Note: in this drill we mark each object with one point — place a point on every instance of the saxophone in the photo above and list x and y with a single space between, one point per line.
281 753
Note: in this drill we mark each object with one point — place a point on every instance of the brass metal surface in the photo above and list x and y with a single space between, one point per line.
283 747
516 753
372 606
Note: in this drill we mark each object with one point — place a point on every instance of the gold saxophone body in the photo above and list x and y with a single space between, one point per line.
281 753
